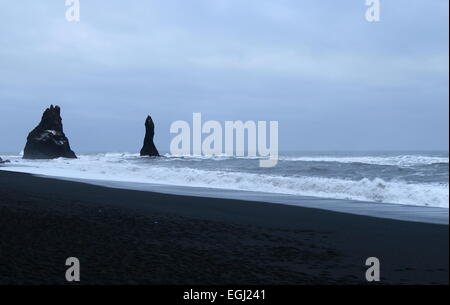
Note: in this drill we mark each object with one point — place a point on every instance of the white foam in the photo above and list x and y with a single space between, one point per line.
401 160
124 168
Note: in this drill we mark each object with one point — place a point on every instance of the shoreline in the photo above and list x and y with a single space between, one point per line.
136 237
403 212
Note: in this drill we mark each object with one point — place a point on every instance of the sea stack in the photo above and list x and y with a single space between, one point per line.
149 148
47 140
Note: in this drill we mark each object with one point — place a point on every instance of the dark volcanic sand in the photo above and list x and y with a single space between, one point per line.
131 237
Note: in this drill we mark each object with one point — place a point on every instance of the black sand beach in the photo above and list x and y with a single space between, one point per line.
132 237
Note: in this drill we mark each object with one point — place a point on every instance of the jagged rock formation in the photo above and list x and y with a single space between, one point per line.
3 161
47 140
149 148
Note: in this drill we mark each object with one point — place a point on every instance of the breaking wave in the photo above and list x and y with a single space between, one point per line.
402 160
130 168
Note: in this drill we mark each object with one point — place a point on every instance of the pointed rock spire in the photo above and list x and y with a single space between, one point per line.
47 140
149 148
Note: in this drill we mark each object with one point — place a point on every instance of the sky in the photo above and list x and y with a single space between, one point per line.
331 79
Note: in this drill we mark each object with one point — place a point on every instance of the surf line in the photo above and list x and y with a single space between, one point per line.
226 139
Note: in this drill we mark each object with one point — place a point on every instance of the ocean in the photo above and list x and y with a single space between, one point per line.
399 178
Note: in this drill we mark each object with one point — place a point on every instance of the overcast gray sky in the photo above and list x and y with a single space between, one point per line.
333 80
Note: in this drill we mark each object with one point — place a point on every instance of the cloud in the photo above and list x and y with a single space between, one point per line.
296 61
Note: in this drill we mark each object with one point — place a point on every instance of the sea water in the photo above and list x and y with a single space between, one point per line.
401 178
